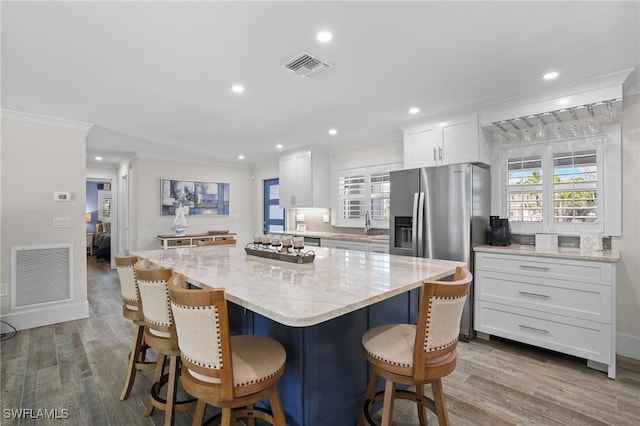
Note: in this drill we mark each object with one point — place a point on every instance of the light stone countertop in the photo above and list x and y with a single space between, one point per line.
559 253
300 295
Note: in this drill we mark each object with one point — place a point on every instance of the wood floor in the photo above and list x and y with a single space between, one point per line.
80 366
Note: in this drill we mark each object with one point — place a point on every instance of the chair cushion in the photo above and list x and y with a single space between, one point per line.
159 333
255 359
391 343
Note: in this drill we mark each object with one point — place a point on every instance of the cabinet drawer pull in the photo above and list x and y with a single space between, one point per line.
535 268
525 293
526 327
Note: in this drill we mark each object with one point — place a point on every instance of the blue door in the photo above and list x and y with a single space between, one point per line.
273 214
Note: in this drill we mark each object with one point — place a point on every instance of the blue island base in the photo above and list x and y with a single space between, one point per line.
326 373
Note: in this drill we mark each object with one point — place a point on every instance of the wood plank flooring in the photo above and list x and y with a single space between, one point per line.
80 366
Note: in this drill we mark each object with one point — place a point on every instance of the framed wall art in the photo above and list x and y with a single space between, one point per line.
201 198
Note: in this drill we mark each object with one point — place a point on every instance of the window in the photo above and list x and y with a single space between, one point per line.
104 206
575 187
362 190
524 188
560 186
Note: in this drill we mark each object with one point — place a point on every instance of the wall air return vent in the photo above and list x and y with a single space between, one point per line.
307 65
40 275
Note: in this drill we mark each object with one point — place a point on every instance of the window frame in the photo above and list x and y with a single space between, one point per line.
609 181
367 171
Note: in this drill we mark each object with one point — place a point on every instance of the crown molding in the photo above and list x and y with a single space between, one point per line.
43 119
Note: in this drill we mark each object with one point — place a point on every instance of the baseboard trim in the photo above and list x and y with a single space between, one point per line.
47 316
628 346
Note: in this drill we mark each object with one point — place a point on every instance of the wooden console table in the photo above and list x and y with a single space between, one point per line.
189 240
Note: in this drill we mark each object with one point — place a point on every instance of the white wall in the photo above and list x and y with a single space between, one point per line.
146 221
37 160
628 270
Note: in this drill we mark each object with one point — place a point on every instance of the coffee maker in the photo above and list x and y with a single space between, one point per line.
500 233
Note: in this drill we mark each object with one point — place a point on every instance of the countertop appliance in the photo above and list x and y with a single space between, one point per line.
441 213
500 234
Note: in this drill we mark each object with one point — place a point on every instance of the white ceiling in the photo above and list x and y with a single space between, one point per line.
155 77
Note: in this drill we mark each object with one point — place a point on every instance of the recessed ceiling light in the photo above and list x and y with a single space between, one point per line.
324 36
333 132
98 158
237 88
240 157
414 110
550 75
279 146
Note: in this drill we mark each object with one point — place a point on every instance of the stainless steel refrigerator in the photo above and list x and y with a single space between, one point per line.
441 213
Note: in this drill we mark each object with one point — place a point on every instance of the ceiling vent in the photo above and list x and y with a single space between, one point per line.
306 65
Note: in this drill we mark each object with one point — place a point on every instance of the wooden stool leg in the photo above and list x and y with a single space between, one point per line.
250 420
198 416
440 403
422 410
226 417
172 387
371 392
387 406
276 408
157 375
134 356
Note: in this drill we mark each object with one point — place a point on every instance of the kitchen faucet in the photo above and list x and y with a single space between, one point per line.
367 223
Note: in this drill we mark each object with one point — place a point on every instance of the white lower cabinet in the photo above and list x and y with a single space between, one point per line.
565 305
344 245
354 245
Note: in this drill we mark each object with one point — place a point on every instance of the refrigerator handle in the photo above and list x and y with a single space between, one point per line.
420 213
414 226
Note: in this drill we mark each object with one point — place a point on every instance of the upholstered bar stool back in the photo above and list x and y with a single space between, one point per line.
130 310
229 372
417 354
160 334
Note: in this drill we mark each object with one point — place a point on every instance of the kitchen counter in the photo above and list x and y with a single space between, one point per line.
318 311
559 253
382 239
299 295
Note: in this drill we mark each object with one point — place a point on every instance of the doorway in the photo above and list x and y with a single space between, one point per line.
102 223
273 214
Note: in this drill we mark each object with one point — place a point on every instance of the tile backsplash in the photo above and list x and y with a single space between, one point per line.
563 240
314 221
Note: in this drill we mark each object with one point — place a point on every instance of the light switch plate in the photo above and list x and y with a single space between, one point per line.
300 217
325 218
62 222
61 196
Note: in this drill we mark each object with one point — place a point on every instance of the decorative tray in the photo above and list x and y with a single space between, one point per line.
306 257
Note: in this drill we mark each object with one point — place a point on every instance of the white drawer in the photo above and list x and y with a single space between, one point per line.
576 337
570 298
544 267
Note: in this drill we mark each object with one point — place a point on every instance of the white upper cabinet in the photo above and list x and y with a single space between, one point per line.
304 179
421 147
445 142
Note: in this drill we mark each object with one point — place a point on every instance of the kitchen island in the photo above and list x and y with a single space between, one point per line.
318 311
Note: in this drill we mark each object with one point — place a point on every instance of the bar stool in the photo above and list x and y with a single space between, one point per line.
160 334
130 299
229 372
417 354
